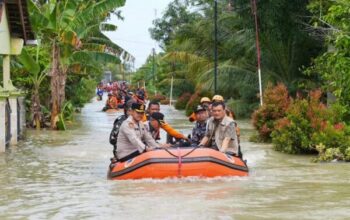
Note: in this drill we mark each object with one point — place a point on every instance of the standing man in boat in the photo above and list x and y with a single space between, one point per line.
221 131
198 131
133 138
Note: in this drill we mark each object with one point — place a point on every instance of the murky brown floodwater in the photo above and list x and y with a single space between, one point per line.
62 175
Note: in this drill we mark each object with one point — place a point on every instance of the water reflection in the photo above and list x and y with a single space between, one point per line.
62 175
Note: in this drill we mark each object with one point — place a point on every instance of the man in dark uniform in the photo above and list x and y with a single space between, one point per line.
198 131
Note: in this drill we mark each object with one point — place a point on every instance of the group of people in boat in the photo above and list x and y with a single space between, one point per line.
119 94
138 130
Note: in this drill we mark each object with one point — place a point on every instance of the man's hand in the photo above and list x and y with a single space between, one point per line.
148 148
165 145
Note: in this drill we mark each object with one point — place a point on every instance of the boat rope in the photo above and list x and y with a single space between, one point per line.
169 152
180 162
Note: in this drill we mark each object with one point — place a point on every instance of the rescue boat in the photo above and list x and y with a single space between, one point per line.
177 163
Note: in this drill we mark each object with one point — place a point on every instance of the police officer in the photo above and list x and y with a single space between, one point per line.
133 138
198 131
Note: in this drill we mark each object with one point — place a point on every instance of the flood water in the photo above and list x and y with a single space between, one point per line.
62 175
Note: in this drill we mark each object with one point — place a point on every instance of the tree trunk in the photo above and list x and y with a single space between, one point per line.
36 109
58 85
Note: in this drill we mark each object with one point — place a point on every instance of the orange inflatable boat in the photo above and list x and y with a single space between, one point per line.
178 162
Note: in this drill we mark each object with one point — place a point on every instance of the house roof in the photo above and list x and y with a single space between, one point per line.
18 18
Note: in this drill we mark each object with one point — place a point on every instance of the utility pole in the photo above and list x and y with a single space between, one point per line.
172 83
257 48
154 68
215 45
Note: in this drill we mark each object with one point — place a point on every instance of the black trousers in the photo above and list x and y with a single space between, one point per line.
130 156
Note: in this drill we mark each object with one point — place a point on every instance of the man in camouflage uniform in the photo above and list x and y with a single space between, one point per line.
198 131
133 137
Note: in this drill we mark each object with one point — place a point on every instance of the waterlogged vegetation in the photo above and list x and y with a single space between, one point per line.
305 59
61 72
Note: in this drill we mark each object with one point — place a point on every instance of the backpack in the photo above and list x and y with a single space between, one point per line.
114 133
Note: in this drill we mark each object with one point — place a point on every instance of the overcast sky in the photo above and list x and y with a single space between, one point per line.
132 33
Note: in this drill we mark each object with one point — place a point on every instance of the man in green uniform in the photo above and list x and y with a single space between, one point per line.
221 132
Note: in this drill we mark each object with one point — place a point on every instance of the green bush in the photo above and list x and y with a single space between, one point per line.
195 100
310 127
276 102
157 97
241 108
182 101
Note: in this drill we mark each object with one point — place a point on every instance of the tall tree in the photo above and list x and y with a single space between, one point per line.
73 29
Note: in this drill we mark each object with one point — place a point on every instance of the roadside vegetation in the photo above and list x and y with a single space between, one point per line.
61 72
305 47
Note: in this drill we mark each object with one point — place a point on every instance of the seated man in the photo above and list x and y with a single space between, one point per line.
229 112
117 124
155 107
133 138
198 131
111 103
221 133
205 103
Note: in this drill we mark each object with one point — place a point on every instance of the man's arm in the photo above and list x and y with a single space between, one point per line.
204 141
230 134
171 131
150 140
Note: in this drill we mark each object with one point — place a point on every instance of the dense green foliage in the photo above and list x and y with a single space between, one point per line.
310 127
304 44
332 20
186 32
63 70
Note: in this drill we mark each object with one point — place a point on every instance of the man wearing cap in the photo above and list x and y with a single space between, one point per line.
154 124
198 131
220 133
133 138
205 103
229 112
155 107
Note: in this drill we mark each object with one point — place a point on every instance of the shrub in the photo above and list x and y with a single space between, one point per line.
276 102
311 127
182 101
165 102
157 97
241 108
195 100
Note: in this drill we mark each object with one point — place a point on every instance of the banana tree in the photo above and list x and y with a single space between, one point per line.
69 27
36 77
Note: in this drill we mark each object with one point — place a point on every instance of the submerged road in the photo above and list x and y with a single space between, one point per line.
62 175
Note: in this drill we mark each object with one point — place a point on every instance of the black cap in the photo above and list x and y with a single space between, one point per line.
140 108
199 108
158 116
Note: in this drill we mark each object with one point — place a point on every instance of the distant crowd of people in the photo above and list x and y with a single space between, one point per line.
119 94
